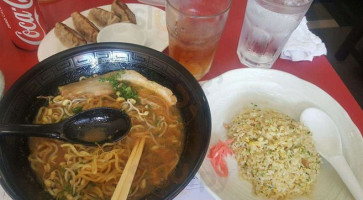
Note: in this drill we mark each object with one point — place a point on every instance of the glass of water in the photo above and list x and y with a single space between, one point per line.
267 26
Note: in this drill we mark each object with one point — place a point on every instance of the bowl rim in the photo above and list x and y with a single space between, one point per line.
116 46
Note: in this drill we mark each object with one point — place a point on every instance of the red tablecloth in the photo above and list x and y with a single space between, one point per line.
14 62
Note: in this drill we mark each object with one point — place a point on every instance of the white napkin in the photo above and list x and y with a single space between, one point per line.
303 44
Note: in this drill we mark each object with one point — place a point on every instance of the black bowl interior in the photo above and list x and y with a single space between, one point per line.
19 105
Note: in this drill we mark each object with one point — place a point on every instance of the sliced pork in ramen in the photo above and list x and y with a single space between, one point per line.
96 87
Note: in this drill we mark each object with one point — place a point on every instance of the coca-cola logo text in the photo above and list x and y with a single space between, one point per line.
30 31
23 4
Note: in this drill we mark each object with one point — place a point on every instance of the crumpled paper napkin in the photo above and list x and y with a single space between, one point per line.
303 44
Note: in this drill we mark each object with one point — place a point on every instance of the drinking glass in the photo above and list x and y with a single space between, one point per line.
195 27
267 26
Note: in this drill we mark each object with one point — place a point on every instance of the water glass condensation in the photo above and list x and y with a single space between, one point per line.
195 27
267 26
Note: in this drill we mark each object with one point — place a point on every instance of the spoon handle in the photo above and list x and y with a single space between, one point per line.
50 131
346 174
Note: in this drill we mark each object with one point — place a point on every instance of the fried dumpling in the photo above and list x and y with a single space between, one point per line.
123 11
85 27
67 36
102 17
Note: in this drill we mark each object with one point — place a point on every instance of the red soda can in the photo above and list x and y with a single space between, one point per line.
25 24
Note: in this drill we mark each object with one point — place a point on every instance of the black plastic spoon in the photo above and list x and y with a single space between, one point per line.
91 127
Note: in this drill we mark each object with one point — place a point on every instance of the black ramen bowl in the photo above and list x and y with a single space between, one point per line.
20 104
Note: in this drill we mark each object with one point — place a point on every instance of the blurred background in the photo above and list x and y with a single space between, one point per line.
339 23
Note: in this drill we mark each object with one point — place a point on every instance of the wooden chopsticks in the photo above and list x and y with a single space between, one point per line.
124 184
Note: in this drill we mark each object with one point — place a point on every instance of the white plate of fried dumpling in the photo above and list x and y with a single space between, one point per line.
150 19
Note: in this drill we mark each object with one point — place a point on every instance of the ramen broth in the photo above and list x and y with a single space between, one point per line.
73 171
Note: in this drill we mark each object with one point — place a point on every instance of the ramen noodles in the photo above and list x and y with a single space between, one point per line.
74 171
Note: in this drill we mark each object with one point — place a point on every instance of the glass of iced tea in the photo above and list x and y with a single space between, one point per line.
195 27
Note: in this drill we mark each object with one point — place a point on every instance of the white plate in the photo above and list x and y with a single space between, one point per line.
229 93
150 19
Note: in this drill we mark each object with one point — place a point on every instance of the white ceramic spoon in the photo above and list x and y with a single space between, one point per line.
328 144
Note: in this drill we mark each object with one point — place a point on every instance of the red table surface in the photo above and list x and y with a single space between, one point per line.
14 61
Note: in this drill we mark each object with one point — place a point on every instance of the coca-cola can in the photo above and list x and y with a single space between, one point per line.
25 24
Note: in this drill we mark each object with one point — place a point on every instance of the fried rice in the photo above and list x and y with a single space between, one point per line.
274 152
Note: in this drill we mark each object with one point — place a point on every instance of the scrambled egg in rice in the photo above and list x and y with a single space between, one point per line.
274 152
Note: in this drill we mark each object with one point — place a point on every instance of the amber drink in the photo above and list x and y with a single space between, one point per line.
195 27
